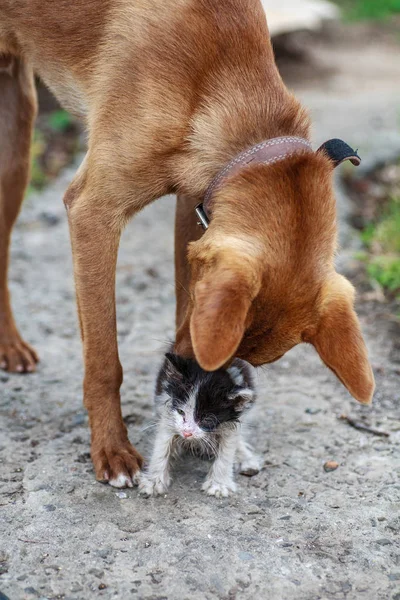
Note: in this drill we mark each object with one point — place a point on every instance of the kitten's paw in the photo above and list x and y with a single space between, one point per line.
250 466
218 489
153 486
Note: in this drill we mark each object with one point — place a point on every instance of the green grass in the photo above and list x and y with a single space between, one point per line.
386 271
38 176
382 239
60 120
369 9
54 142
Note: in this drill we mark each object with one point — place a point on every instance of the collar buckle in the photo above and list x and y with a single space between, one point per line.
203 219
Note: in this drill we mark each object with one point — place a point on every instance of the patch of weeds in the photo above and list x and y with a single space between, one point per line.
385 270
383 241
60 121
38 147
377 200
369 9
56 140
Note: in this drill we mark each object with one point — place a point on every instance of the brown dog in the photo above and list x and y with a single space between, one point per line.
170 91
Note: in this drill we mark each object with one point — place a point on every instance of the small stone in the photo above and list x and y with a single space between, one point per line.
384 542
30 590
50 507
147 544
83 458
330 465
253 509
156 578
249 472
102 586
246 556
97 573
121 495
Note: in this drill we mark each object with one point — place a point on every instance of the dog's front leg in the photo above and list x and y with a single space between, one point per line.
95 229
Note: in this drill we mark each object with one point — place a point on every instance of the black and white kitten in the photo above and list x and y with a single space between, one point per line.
199 412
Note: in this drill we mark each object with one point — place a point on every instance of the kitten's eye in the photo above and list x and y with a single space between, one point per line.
208 425
180 412
208 428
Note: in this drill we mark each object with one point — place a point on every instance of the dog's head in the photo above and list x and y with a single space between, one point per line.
263 277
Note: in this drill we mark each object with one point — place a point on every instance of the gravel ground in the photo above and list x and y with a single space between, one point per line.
294 532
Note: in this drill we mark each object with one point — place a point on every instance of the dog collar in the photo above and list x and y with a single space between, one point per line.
267 153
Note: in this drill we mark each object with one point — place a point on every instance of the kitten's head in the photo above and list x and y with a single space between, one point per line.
200 402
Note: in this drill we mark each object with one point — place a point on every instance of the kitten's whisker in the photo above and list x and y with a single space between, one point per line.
149 426
210 444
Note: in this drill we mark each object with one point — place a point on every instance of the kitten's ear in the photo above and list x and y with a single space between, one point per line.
243 395
172 367
243 398
235 373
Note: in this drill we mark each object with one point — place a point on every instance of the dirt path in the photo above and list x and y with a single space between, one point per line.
294 532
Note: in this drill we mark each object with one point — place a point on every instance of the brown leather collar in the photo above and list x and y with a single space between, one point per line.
268 153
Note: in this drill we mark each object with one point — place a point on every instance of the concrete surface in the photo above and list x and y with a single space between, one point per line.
294 532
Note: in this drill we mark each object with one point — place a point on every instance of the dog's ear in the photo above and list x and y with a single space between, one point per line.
339 341
338 152
217 324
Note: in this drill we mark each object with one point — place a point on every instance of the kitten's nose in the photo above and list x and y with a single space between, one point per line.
187 434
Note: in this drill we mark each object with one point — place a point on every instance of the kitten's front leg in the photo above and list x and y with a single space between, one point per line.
156 480
219 481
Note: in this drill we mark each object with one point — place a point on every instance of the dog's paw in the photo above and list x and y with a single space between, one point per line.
118 466
251 466
16 355
218 489
153 486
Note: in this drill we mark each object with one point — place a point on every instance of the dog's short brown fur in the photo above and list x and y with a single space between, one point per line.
170 91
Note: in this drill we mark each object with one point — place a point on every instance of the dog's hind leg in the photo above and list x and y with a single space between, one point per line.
17 114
